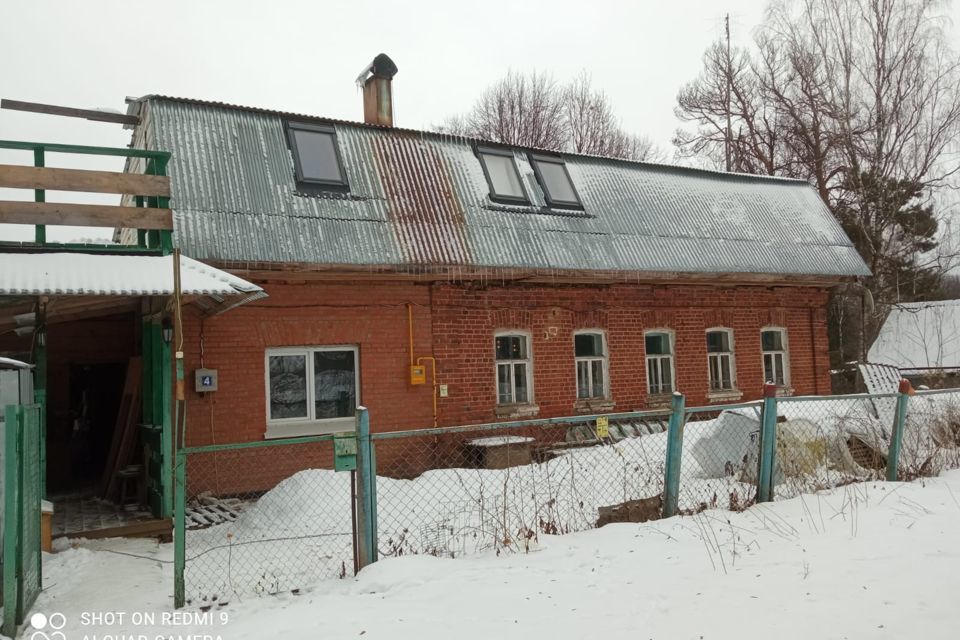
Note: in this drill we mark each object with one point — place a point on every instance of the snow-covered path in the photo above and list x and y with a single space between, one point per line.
873 560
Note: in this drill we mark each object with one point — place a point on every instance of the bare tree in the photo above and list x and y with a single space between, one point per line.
524 110
532 110
862 99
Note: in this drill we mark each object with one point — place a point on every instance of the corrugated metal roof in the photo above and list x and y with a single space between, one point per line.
420 199
114 275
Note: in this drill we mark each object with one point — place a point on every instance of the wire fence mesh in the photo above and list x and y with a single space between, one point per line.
931 435
721 449
272 517
464 490
265 519
830 442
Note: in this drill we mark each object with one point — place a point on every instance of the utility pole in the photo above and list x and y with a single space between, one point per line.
727 139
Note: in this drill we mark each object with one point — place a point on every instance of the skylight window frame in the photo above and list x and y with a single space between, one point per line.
480 151
316 184
535 160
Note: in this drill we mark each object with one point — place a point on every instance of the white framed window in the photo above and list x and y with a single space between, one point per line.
660 371
776 356
513 367
590 354
721 363
311 390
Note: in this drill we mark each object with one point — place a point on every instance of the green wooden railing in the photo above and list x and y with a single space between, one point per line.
148 240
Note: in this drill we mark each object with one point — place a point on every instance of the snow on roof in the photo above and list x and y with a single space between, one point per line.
113 275
10 363
920 335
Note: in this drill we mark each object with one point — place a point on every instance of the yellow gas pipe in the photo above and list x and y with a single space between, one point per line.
433 362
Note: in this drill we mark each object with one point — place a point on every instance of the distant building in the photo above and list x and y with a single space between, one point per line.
922 339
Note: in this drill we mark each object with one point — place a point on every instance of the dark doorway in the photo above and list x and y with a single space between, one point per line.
95 391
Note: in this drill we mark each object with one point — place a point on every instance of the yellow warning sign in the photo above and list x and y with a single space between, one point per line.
603 427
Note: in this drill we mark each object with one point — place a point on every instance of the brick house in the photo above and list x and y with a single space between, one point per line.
441 280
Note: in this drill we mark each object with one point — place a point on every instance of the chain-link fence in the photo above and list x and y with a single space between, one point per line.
271 517
264 518
461 490
829 442
931 434
721 449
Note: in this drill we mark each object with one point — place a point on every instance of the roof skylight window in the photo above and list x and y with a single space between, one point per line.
502 176
316 157
555 180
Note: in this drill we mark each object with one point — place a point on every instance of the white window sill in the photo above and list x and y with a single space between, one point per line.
659 400
784 392
594 405
726 395
517 410
308 428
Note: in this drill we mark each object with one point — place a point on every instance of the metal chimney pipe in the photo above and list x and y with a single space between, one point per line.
377 79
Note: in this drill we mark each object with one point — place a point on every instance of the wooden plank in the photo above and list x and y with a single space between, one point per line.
137 184
124 424
71 112
85 215
127 447
142 529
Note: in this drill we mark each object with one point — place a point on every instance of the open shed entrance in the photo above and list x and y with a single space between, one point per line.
96 462
98 330
94 445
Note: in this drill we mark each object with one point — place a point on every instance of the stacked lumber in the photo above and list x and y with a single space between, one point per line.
123 444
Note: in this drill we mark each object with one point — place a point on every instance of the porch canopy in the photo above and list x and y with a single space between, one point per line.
98 280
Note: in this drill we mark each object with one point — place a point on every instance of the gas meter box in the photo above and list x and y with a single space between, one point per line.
344 452
418 374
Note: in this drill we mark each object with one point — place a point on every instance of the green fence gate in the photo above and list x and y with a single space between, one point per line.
22 576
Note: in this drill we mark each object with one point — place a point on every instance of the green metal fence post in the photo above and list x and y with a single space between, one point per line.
366 492
179 529
166 236
13 432
166 428
768 444
896 436
40 385
671 480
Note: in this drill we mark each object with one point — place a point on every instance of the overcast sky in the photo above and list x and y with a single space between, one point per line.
303 56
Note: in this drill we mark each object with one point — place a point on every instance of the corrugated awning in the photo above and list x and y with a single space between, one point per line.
10 363
83 274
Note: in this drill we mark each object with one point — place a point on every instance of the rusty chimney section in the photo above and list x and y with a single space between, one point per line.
376 80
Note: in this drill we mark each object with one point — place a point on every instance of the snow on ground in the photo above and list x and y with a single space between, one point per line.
289 539
869 560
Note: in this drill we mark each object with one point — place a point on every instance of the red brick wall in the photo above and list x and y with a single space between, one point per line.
456 323
370 315
465 319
